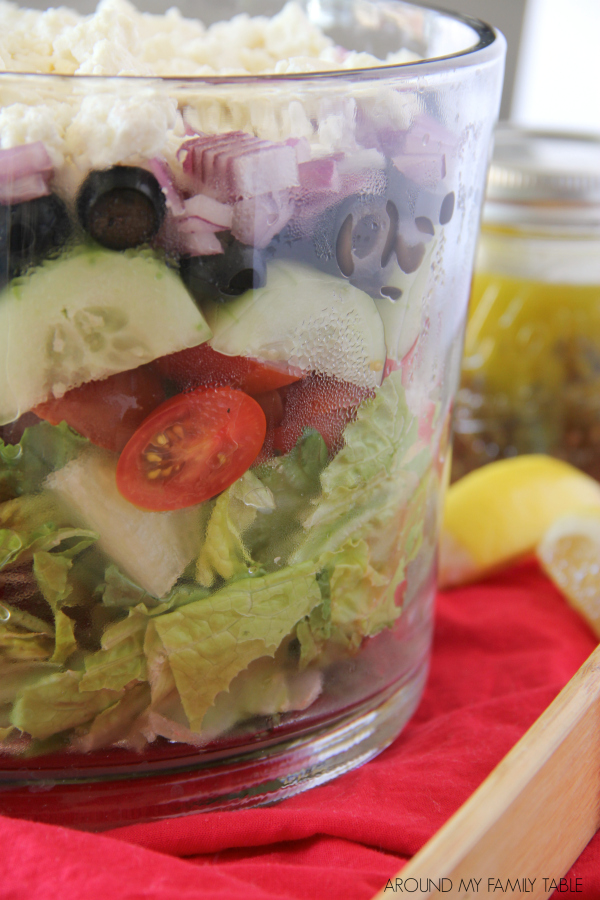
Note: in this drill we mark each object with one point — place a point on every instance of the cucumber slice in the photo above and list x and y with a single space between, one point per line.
403 305
152 548
85 316
306 319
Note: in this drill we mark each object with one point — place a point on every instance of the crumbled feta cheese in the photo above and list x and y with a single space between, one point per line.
96 125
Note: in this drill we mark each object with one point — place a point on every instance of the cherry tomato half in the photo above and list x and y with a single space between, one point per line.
322 403
191 448
107 412
204 366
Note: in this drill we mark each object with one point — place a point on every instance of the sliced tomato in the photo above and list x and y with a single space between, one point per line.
109 411
322 403
191 448
202 365
271 403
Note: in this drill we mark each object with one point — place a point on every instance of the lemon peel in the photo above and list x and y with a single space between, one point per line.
499 513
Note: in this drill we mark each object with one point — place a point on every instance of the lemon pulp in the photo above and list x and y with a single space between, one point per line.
569 553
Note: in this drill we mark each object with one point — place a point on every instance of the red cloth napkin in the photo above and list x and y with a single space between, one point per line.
503 650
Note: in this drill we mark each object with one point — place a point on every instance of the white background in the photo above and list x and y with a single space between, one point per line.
557 81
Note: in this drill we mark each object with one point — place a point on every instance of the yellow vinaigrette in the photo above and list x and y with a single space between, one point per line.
525 334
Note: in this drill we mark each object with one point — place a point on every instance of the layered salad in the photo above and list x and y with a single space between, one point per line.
220 459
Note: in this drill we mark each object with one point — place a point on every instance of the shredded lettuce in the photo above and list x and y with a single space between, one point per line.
33 533
114 723
121 592
300 547
266 688
224 553
209 642
42 449
121 659
367 524
55 703
293 481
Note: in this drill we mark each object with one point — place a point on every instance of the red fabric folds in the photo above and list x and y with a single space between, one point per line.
503 650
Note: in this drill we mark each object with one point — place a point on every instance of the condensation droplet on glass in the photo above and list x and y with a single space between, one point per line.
4 614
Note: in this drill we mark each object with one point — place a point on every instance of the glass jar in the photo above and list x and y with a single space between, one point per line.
231 327
531 369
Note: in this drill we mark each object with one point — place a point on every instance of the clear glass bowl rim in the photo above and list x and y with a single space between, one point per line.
489 47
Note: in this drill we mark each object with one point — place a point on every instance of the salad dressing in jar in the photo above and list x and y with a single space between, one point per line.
231 312
531 368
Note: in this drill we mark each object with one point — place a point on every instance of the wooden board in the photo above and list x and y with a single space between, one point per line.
531 817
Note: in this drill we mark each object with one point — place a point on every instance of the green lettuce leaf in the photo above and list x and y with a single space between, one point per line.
367 525
114 723
121 592
121 659
17 674
56 704
42 449
207 643
28 523
34 532
24 620
160 674
266 688
24 646
294 481
380 466
224 552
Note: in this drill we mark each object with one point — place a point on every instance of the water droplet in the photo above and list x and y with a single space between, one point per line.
4 614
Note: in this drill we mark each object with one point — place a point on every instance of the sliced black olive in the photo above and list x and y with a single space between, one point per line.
424 225
366 238
30 232
225 275
391 292
121 207
343 247
366 241
409 256
447 208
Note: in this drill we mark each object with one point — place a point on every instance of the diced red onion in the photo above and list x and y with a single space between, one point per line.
27 159
310 204
198 243
423 155
239 166
427 135
257 220
26 188
426 171
196 225
162 173
302 148
192 150
24 173
220 214
320 174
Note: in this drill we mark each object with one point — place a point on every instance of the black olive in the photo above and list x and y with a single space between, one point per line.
30 232
121 207
447 208
226 275
356 239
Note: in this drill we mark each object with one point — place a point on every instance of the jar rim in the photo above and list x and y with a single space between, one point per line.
489 43
547 168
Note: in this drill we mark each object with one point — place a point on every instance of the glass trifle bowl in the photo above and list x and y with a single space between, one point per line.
235 263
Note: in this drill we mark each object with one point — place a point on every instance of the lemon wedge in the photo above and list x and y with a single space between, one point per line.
569 553
499 513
